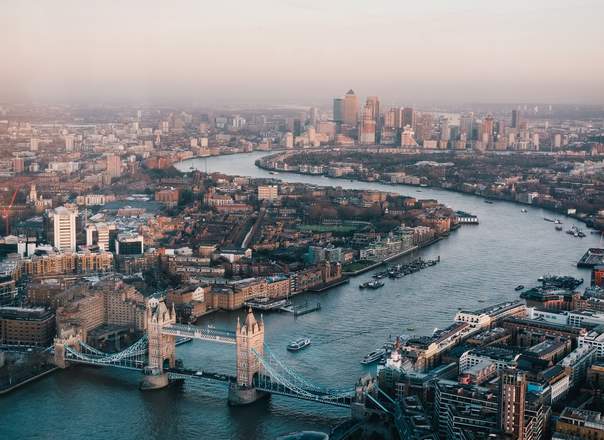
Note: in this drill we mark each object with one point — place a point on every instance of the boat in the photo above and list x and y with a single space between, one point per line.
411 329
548 220
523 210
298 344
272 172
265 303
519 288
372 284
540 279
490 202
558 228
374 356
558 222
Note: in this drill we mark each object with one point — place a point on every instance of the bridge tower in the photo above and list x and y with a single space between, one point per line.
69 338
250 345
161 347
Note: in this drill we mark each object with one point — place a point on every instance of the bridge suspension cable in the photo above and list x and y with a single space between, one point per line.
279 379
299 379
133 357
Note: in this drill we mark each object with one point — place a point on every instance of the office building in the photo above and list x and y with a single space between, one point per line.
367 129
26 326
408 117
114 165
515 118
64 228
513 385
351 109
129 244
338 110
268 192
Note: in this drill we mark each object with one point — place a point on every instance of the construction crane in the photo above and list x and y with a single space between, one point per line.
5 211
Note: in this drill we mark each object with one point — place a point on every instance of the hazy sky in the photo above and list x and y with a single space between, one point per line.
295 51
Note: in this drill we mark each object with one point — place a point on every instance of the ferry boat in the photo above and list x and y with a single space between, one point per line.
265 303
298 344
519 288
374 356
372 285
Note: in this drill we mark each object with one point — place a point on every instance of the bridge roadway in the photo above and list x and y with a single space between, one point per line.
204 334
186 373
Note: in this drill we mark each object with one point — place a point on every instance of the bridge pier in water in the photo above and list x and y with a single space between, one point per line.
250 345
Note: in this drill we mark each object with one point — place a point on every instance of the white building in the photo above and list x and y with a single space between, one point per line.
577 362
593 339
268 192
64 228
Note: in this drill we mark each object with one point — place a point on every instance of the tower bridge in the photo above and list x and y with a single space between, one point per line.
259 372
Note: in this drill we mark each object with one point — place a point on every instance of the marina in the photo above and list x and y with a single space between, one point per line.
301 309
401 270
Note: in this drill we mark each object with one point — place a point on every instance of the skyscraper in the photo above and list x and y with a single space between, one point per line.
338 110
488 125
512 400
351 108
373 102
64 229
314 116
408 117
392 119
444 129
515 118
368 125
424 127
466 125
69 142
114 165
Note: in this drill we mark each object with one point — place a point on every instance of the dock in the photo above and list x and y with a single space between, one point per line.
301 309
593 257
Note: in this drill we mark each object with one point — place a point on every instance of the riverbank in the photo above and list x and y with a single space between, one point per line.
496 197
24 381
393 257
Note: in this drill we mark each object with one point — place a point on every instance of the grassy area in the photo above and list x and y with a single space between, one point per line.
328 228
357 265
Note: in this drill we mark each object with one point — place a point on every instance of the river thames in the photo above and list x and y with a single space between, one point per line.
480 265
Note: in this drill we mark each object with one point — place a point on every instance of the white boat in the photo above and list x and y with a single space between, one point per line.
298 344
374 356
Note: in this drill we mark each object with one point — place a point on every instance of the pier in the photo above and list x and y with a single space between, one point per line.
301 309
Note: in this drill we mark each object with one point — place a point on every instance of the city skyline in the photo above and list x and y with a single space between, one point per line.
298 53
